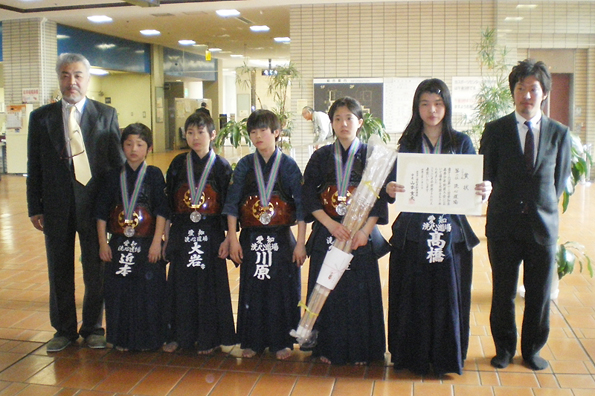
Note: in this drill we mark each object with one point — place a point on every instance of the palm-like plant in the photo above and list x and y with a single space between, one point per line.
372 126
279 84
235 131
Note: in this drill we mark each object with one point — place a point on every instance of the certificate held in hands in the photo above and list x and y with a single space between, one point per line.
439 183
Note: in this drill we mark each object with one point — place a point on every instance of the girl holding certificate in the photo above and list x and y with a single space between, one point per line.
351 323
198 287
431 256
133 208
265 195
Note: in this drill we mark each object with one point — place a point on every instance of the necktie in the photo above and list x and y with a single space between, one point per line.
529 148
82 171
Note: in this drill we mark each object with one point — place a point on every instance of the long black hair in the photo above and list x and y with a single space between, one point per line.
411 137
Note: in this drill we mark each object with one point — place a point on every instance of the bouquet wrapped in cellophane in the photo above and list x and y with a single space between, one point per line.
378 164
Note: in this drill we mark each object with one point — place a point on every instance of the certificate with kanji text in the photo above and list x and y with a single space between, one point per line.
439 183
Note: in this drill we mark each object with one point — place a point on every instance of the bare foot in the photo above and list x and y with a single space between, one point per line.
325 360
121 349
206 351
248 353
170 347
283 354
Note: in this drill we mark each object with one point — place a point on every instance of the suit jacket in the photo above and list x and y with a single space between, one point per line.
516 191
51 187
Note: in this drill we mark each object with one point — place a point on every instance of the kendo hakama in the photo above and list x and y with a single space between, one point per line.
351 323
198 285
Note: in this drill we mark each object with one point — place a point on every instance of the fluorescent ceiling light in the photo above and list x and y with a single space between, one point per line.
186 42
282 39
513 19
526 6
62 37
260 28
98 72
236 56
227 13
99 19
215 49
150 32
105 46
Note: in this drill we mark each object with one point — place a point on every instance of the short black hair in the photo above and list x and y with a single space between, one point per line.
139 129
531 67
260 119
199 120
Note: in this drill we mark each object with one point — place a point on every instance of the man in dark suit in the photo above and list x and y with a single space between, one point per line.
527 159
61 206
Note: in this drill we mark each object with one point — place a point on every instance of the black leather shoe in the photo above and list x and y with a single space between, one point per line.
501 361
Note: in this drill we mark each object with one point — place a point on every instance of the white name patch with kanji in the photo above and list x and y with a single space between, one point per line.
264 248
194 241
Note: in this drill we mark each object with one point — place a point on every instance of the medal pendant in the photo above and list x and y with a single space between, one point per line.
265 218
129 231
195 217
341 209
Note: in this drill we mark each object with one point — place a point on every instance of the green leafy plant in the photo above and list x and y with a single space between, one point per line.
568 254
581 162
235 131
279 84
372 126
494 99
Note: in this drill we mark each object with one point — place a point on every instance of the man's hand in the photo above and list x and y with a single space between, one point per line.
37 221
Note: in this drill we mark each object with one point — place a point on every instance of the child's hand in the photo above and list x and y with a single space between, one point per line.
224 249
359 239
393 188
339 231
105 252
299 254
235 251
155 251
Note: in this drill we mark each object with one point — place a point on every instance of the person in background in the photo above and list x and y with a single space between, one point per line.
321 124
71 144
351 322
265 194
203 109
132 207
199 299
527 159
430 300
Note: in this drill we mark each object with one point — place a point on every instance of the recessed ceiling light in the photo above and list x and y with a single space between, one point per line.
260 28
282 39
150 32
513 19
62 36
186 42
526 6
227 13
236 56
215 49
99 19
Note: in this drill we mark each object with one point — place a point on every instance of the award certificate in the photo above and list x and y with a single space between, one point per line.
439 183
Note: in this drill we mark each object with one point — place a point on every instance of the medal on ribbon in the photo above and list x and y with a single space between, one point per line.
196 191
266 190
342 174
130 203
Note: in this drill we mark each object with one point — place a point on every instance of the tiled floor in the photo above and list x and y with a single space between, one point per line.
26 368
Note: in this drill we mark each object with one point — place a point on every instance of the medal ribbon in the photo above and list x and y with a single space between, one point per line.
342 173
426 147
196 190
265 191
129 204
